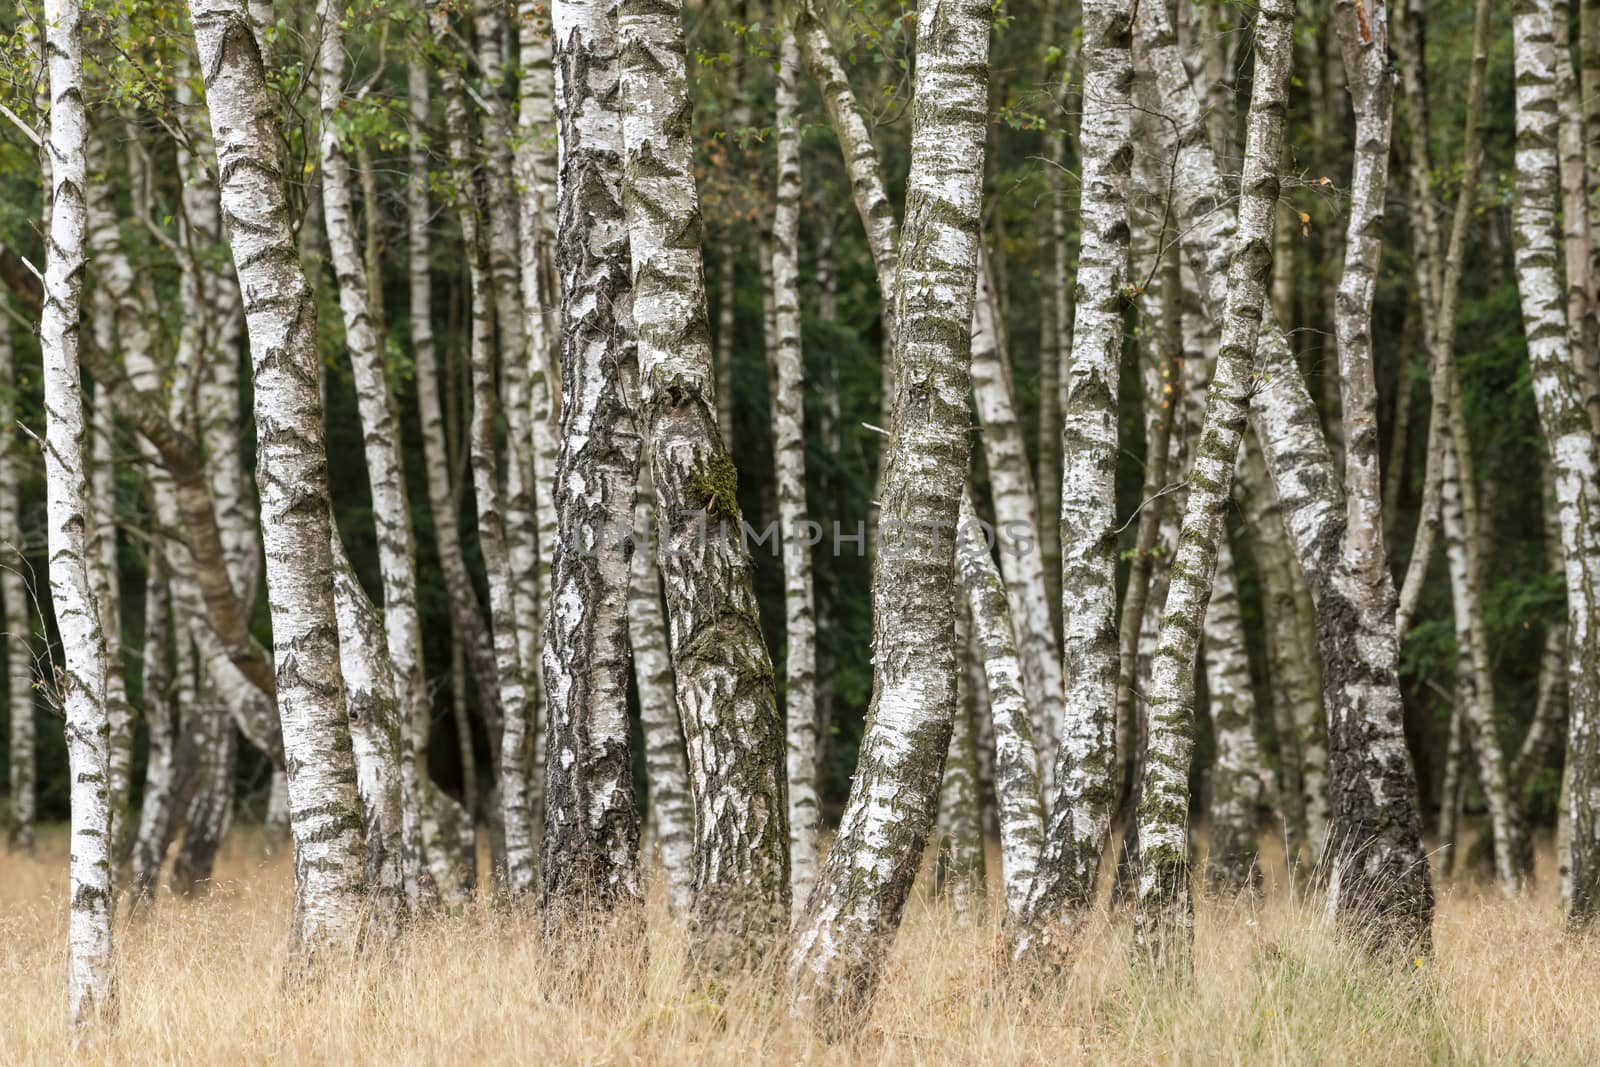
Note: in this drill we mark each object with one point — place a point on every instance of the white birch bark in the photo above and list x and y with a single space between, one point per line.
1384 891
591 830
18 626
296 516
1236 789
1165 926
377 724
1019 795
958 849
103 576
82 678
789 446
1016 513
1083 775
1475 687
666 766
155 812
853 915
726 699
391 513
1574 452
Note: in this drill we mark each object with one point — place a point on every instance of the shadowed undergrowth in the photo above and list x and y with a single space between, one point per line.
202 982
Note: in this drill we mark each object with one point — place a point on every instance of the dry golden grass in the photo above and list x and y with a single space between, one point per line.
201 982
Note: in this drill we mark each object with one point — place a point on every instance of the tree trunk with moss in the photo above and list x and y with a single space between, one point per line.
851 919
1236 789
726 697
1165 925
958 850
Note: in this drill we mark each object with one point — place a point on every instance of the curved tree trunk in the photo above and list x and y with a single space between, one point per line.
1165 927
1019 795
851 919
726 699
296 518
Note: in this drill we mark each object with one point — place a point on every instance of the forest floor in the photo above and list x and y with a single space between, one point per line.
202 982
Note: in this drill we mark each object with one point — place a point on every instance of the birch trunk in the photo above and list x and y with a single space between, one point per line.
1016 513
1231 868
1577 240
155 812
377 720
666 767
789 445
516 526
18 624
280 312
591 828
958 851
1475 689
82 679
1165 926
853 915
732 729
391 513
1574 454
465 609
103 575
1019 795
1084 773
1386 892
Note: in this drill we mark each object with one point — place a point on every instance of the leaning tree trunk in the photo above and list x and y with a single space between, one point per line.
666 766
789 445
853 915
1019 796
1016 512
1084 770
81 680
18 626
1165 926
732 729
591 831
397 553
296 516
377 735
1574 453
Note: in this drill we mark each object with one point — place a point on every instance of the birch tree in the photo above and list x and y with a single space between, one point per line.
789 445
1236 788
591 830
1081 808
397 554
18 626
732 729
852 917
296 518
1574 452
1165 925
82 678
